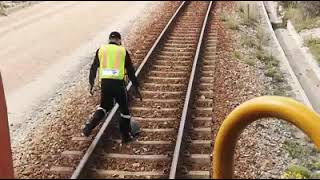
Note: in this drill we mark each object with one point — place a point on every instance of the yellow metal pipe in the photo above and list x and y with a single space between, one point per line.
267 106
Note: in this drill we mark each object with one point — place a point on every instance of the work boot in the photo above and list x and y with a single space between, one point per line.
127 138
94 120
135 131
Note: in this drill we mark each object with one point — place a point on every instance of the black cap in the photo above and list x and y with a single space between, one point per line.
114 34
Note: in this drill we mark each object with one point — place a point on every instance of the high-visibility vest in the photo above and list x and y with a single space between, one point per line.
112 61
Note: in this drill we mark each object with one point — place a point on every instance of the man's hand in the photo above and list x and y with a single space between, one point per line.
91 90
136 92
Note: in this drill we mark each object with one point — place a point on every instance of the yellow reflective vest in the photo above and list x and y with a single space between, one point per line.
112 61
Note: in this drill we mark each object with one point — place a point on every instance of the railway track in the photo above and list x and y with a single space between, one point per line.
193 149
175 115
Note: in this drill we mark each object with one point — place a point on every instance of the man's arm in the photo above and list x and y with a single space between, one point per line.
131 71
93 69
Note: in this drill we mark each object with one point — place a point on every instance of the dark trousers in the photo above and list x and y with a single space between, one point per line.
113 90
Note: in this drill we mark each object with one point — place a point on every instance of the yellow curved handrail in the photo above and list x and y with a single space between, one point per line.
266 106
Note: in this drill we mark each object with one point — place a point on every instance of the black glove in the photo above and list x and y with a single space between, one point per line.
136 92
91 90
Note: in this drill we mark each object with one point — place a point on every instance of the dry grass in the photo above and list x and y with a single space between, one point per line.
248 41
237 55
230 21
300 20
223 16
271 66
249 13
261 37
314 45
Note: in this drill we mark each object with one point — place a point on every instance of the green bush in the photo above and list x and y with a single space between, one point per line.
296 172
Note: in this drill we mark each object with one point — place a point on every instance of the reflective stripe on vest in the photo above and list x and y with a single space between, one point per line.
112 60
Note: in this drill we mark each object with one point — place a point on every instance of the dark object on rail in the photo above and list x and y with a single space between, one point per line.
135 128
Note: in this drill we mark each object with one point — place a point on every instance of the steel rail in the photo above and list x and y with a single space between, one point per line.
76 174
186 109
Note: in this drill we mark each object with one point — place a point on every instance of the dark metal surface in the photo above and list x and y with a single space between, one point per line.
179 142
6 165
86 157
